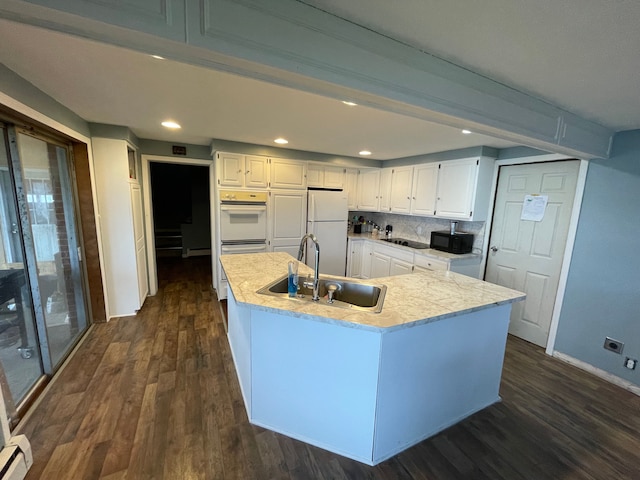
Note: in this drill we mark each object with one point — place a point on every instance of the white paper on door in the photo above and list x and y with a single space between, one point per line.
533 207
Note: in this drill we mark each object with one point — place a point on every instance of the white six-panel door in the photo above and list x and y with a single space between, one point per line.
527 255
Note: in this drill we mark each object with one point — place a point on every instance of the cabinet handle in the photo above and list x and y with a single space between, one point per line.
408 198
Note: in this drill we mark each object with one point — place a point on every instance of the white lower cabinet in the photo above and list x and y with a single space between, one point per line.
367 253
400 267
374 259
354 258
380 264
388 260
423 262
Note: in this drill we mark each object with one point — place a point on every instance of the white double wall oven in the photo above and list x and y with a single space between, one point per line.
242 226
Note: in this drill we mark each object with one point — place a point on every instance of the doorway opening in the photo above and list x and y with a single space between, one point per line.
178 209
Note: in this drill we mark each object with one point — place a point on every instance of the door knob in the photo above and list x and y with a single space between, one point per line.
494 248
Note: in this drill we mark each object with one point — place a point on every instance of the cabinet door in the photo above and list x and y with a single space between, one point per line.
315 176
334 177
368 185
400 267
367 256
423 263
456 188
424 190
288 174
256 173
354 261
385 190
288 222
351 187
380 265
230 170
401 184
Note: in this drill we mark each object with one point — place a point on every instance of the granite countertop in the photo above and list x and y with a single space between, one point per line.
410 299
451 257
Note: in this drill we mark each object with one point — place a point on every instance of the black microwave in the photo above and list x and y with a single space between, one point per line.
452 242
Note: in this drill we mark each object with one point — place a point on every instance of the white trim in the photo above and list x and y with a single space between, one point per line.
571 234
54 124
609 377
146 159
568 253
40 117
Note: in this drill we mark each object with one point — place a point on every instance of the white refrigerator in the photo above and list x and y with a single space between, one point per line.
327 216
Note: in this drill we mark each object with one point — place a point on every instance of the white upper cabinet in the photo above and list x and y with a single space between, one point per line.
323 176
287 220
401 187
425 189
384 191
288 174
256 172
368 187
351 187
334 177
235 170
464 188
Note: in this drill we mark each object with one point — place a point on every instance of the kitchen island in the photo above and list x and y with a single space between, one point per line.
366 385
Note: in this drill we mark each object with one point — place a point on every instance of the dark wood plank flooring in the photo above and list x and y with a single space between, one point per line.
156 397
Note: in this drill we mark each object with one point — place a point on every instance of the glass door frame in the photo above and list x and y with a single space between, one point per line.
74 235
29 248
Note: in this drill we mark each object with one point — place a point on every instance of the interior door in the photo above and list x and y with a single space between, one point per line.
527 255
141 250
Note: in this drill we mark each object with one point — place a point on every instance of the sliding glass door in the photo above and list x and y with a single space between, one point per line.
19 348
42 306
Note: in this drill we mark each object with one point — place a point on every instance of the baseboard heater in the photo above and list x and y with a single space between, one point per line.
15 458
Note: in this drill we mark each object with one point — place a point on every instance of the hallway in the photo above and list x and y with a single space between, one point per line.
156 397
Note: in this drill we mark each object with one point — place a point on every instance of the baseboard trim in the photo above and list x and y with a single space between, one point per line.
609 377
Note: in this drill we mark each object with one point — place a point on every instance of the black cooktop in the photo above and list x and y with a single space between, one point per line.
406 243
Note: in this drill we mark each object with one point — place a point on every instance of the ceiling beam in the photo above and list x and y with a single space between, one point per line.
293 44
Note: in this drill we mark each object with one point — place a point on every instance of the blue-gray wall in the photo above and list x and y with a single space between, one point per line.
21 90
603 288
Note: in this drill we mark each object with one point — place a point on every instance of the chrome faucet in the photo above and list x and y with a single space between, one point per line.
316 272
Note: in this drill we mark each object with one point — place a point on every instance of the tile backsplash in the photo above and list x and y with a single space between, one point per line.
407 226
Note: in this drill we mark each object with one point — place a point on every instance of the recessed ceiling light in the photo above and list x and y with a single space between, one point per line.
157 57
170 124
281 141
351 104
466 132
365 152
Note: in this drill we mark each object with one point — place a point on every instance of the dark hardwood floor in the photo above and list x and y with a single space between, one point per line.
156 397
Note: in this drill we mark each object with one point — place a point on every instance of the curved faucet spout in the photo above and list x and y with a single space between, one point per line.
316 270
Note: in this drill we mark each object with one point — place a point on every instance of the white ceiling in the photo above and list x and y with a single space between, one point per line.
578 54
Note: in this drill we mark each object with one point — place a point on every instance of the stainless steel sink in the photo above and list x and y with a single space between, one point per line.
347 293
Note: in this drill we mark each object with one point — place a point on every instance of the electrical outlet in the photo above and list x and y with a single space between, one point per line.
613 345
630 363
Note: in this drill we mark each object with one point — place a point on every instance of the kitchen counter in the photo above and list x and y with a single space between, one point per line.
452 257
363 385
410 299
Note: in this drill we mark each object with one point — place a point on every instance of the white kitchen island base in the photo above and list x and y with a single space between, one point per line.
363 392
